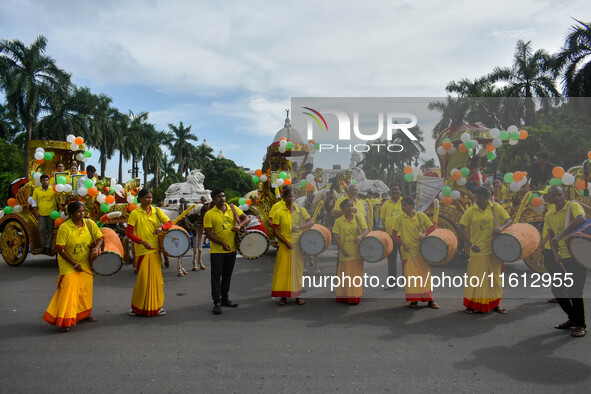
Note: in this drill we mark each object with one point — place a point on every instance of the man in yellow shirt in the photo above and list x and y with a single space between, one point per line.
389 211
358 205
45 201
221 224
560 223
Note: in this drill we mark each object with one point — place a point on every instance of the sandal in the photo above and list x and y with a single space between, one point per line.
230 304
161 312
578 332
567 325
65 329
469 311
500 310
282 301
91 319
299 301
413 304
433 305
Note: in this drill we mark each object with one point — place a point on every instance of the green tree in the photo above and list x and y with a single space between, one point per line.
10 165
29 79
225 174
180 146
574 60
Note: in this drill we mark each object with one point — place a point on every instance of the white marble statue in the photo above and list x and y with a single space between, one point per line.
365 185
191 191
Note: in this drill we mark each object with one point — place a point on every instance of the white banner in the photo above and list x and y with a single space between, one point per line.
428 189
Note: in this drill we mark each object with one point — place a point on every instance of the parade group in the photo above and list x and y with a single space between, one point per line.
79 242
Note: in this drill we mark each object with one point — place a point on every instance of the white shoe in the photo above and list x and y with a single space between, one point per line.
131 312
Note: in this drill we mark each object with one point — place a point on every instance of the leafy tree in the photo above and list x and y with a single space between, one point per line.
574 58
180 146
225 174
10 165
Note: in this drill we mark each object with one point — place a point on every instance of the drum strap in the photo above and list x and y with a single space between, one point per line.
91 235
567 220
358 224
494 215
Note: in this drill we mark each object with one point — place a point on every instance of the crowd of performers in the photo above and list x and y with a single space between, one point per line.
78 241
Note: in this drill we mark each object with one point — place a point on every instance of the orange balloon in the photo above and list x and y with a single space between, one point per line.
268 172
309 186
79 141
107 189
490 147
536 202
580 184
58 222
40 161
311 142
558 172
109 199
258 173
447 145
287 182
248 201
522 134
462 148
456 176
92 192
524 173
518 176
83 172
589 155
132 207
54 189
407 169
12 202
447 200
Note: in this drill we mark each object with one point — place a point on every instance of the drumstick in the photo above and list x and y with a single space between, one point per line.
182 215
94 276
413 259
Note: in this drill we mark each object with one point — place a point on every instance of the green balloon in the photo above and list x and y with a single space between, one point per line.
105 207
289 145
317 146
508 178
515 135
555 182
447 140
54 215
353 182
446 190
491 156
283 175
504 136
409 177
52 154
534 195
8 210
256 179
303 183
88 183
241 201
465 171
112 190
47 156
136 201
469 144
61 180
87 153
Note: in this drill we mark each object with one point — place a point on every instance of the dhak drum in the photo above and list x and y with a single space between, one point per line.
315 240
516 242
439 247
375 246
254 243
110 260
175 242
579 244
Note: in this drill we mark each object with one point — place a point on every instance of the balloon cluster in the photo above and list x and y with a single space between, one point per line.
446 148
447 195
285 145
460 176
75 143
411 174
512 134
259 177
516 180
308 183
313 146
244 204
13 206
537 203
561 177
41 156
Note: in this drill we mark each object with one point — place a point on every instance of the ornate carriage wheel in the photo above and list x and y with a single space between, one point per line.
14 243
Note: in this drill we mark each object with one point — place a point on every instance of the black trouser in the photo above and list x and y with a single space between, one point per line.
392 258
570 298
222 266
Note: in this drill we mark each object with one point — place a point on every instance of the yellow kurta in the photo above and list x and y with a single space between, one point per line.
221 224
148 292
481 224
72 300
556 220
389 211
416 270
350 268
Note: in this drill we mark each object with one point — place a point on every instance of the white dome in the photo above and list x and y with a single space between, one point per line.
288 132
221 155
204 143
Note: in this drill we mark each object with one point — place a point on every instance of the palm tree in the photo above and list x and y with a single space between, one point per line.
29 78
200 157
152 152
180 147
166 167
105 129
574 59
131 128
530 75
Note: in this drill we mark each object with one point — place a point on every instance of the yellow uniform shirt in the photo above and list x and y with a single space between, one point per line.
358 204
480 225
287 220
77 241
221 224
389 211
504 194
144 226
550 207
409 229
46 200
556 220
348 230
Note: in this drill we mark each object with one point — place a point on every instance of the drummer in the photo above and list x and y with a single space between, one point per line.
358 204
408 230
557 224
389 211
221 224
482 221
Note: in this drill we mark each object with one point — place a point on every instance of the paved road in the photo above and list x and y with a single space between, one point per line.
377 346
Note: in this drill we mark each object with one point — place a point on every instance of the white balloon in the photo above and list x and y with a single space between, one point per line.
455 194
17 209
263 178
453 171
101 198
523 181
495 133
73 147
59 187
515 187
497 142
38 155
79 156
85 159
279 182
452 151
416 171
540 209
37 183
30 200
441 196
283 143
513 142
130 199
68 188
465 137
441 151
511 129
310 178
282 149
70 138
568 179
482 152
82 191
37 176
63 215
40 150
462 181
244 207
118 187
310 147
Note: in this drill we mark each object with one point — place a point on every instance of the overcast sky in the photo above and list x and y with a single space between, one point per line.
230 68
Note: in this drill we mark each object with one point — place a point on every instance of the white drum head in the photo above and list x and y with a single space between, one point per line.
253 245
312 242
371 249
434 249
176 243
107 263
580 248
507 248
